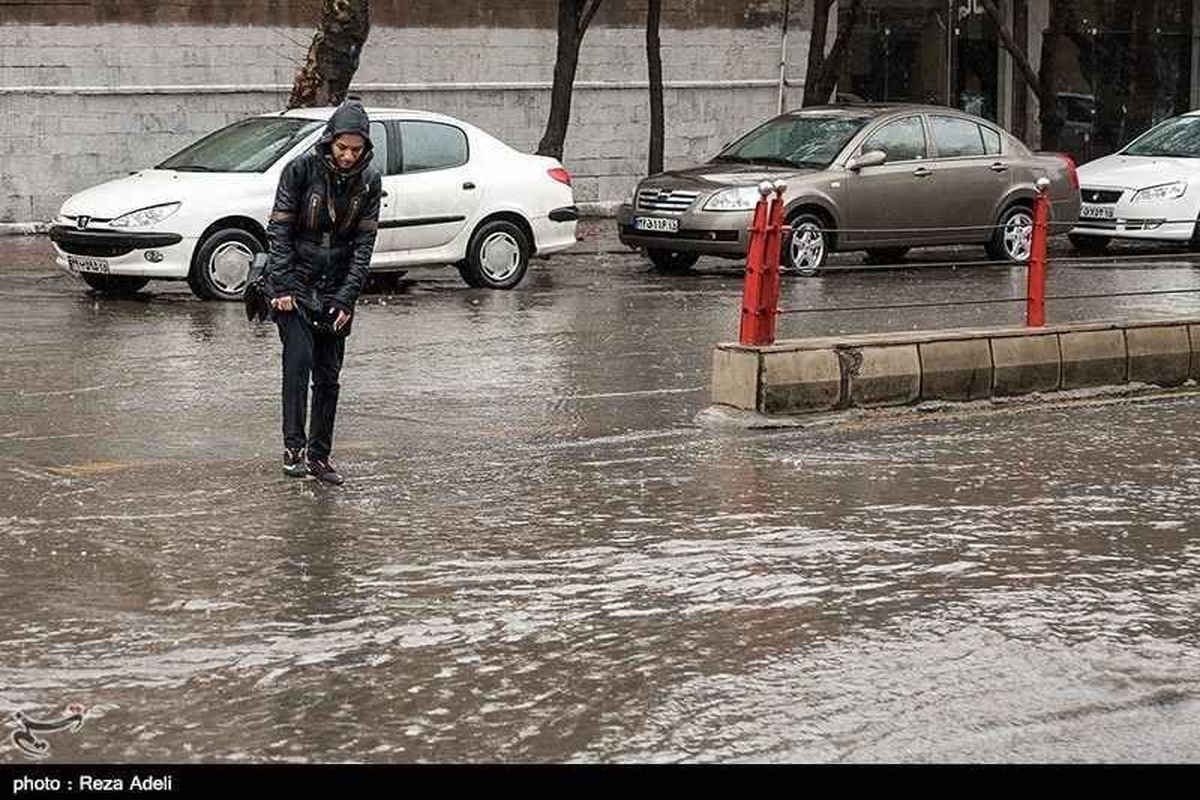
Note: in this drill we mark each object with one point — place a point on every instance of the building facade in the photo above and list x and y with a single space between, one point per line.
1116 66
90 90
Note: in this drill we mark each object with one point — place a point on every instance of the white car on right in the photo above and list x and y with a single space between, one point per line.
1148 191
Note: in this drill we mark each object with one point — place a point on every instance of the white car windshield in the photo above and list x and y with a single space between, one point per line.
797 140
1178 138
251 145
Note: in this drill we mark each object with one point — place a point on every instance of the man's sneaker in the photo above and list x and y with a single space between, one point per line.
293 463
322 470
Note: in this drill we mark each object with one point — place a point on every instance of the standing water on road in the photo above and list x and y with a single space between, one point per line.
540 556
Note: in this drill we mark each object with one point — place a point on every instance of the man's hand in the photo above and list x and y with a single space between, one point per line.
285 303
342 319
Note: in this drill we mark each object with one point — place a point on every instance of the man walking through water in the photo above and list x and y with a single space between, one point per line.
322 233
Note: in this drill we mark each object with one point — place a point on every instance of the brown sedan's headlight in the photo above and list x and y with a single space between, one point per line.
743 198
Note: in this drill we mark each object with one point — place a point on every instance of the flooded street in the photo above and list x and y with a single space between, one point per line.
541 556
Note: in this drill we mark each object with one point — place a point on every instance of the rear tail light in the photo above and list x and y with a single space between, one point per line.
559 174
1071 170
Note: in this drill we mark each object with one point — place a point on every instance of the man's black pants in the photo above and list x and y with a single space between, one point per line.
307 352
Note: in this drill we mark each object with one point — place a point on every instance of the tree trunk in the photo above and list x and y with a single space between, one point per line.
819 87
654 63
816 50
1020 58
574 16
1140 115
333 55
1061 23
1049 119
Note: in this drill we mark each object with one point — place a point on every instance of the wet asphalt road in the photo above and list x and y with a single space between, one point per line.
541 556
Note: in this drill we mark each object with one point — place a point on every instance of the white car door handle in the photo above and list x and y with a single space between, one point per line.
922 172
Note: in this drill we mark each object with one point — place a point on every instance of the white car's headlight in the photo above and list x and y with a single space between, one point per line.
1164 191
742 198
145 216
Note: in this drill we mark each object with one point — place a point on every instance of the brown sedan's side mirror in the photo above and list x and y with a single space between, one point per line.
872 158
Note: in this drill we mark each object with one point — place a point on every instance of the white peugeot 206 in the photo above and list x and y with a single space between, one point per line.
452 195
1149 191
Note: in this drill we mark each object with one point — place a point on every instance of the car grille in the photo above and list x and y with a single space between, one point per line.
1100 195
664 200
103 249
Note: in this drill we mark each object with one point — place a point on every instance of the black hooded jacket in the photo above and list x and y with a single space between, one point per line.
322 230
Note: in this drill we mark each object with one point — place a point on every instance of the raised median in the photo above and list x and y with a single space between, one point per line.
804 376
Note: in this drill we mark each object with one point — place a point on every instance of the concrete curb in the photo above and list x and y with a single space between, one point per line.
808 376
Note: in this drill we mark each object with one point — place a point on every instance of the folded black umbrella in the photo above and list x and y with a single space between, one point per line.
258 294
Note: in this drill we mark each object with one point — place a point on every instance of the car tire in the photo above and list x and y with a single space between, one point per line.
672 260
807 246
1013 235
1089 245
217 272
497 256
467 276
1194 242
117 285
885 255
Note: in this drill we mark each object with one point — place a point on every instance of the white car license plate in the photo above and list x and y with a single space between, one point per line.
659 224
80 264
1095 212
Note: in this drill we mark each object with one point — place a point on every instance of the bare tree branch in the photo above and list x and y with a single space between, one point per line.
585 17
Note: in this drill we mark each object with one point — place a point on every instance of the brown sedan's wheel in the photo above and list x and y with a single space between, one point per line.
805 251
1013 236
672 260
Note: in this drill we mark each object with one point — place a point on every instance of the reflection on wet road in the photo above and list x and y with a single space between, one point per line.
540 556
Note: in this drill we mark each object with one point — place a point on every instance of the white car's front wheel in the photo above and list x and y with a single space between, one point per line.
221 264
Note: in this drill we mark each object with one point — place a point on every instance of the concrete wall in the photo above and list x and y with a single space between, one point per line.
811 375
84 102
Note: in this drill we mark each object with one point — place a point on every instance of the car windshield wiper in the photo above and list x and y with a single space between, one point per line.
190 168
774 160
733 159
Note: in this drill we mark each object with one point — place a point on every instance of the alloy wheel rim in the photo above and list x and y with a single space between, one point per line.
1018 236
808 247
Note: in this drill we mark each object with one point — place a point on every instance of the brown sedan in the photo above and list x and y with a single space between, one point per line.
878 178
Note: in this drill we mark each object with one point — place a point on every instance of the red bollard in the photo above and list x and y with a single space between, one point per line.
760 294
1035 304
750 332
769 309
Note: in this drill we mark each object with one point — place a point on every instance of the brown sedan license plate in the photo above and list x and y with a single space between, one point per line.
656 224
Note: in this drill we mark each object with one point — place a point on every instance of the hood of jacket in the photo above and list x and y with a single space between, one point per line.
350 117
